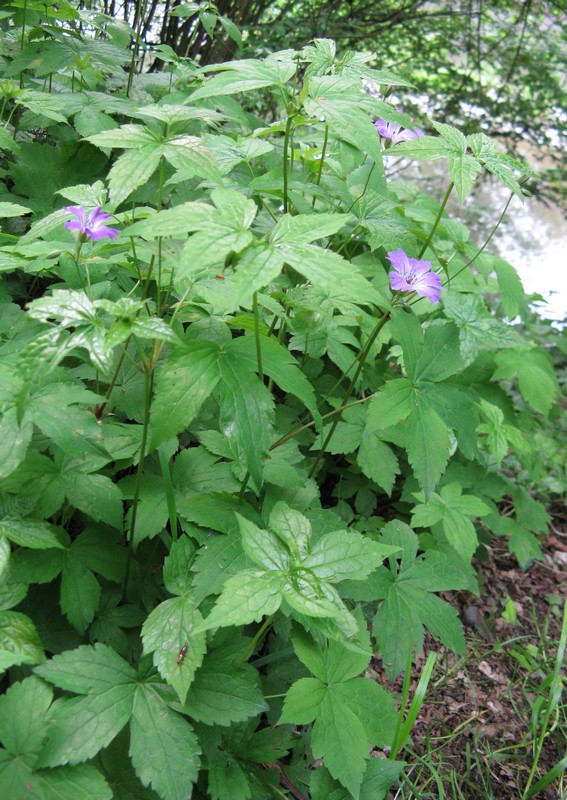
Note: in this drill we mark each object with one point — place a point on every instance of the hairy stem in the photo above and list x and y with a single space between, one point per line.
148 385
257 335
437 219
288 129
321 162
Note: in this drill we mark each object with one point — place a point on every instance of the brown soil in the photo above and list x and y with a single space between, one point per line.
475 722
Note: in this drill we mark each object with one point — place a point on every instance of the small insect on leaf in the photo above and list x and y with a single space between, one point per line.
182 654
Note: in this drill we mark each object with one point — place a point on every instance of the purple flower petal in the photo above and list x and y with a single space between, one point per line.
91 226
412 275
395 133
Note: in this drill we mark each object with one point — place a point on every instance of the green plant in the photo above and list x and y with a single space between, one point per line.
206 420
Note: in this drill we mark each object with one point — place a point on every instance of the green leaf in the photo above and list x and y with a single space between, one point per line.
378 461
314 598
97 495
428 446
231 30
442 620
226 232
390 405
330 272
13 210
189 155
511 287
5 553
303 702
74 783
505 169
292 528
19 641
440 356
32 533
379 776
215 510
15 436
407 604
464 170
177 566
345 554
133 169
425 148
476 327
452 509
222 558
306 228
279 364
175 222
98 549
127 136
198 471
163 747
169 633
87 670
247 597
456 140
339 737
183 383
341 103
350 713
23 723
257 267
243 76
16 778
246 413
82 726
262 547
536 377
117 767
75 430
80 594
224 692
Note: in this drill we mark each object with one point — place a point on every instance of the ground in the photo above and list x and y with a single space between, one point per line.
478 728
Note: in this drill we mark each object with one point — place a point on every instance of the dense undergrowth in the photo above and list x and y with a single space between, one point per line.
260 404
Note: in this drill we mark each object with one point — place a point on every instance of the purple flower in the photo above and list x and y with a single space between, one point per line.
91 226
395 133
412 275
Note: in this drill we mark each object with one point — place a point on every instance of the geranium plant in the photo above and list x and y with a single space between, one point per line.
248 434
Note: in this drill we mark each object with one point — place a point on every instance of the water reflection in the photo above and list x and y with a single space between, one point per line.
533 238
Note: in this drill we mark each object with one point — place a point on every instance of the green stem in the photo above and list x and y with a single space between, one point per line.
437 219
322 161
252 646
328 415
257 335
361 360
244 485
100 409
288 128
169 493
148 383
360 196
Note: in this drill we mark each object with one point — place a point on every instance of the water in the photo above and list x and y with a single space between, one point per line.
533 238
